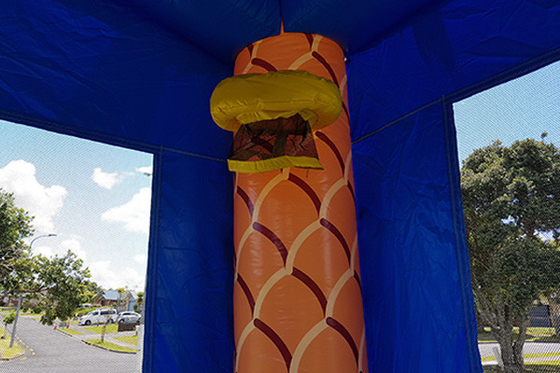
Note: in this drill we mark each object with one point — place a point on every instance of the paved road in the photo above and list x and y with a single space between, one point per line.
529 348
50 351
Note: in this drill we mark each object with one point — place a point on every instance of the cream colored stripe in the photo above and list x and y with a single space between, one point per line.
304 344
248 329
316 41
354 252
269 284
246 235
300 61
253 55
342 86
329 196
362 351
264 193
347 164
300 239
336 290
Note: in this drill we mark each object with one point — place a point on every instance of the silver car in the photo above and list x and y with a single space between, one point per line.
128 316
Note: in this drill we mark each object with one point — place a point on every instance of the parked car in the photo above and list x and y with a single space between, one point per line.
128 316
99 316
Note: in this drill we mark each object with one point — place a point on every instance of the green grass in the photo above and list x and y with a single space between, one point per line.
110 346
528 356
111 328
133 339
70 331
5 350
533 335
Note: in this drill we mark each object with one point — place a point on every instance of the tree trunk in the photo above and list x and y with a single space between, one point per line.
508 349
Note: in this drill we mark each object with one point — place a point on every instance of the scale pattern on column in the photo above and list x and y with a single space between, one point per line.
298 304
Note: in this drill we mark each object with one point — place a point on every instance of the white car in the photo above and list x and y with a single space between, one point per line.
128 316
99 316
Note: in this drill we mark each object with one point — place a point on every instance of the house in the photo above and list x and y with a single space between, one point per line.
120 300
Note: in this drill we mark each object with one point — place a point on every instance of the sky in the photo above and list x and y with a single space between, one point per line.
94 197
519 109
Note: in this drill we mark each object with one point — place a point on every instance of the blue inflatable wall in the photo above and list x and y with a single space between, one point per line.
140 73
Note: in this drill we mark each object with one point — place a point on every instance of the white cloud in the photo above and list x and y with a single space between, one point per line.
103 274
141 259
135 214
105 179
147 171
41 202
74 246
70 244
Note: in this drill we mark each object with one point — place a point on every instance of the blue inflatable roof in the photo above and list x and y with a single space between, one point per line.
140 73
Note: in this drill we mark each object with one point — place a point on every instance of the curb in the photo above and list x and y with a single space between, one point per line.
108 349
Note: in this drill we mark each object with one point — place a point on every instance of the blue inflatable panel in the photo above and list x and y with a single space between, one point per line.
97 70
190 326
411 256
354 25
460 49
140 73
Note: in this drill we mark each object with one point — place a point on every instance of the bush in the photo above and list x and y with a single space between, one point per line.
37 310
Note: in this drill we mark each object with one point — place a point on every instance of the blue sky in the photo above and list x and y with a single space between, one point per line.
519 109
95 197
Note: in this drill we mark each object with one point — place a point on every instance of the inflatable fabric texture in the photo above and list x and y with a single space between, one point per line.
297 294
251 98
140 74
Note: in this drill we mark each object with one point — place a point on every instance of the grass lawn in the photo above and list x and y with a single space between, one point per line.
110 346
5 350
111 328
533 335
133 339
70 331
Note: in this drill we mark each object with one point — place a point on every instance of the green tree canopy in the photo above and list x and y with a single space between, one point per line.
511 200
63 284
15 225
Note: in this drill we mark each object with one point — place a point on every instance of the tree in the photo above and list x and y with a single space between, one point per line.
511 198
138 306
62 284
8 319
15 225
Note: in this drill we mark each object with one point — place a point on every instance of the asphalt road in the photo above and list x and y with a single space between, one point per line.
529 348
50 351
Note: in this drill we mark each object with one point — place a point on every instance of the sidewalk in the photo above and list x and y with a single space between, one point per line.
109 337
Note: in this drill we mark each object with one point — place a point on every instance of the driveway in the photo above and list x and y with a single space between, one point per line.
50 351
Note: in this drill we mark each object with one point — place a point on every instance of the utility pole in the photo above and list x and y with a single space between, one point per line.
21 294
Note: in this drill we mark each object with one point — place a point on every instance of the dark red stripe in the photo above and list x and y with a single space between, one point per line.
250 49
247 292
358 281
344 332
309 39
324 62
326 140
264 64
273 238
346 110
275 338
334 230
246 199
351 188
307 189
312 285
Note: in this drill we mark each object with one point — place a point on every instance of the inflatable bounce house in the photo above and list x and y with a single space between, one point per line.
306 212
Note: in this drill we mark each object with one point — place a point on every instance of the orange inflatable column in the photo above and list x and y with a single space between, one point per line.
297 297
